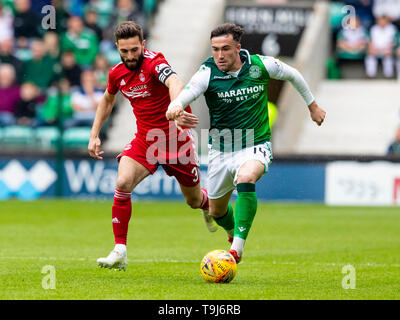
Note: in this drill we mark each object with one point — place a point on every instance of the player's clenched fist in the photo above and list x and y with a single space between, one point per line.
182 118
317 114
174 112
94 148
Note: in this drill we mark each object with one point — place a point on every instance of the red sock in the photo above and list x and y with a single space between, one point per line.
205 203
121 214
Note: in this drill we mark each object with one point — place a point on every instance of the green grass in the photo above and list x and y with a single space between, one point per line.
293 252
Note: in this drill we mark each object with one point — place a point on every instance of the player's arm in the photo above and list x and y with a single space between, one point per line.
102 113
282 71
181 117
197 85
175 86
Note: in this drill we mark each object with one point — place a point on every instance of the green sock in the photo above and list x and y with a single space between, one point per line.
227 222
246 208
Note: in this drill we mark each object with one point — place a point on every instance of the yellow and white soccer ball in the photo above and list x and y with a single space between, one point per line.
218 266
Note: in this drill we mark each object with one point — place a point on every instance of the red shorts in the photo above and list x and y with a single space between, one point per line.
178 157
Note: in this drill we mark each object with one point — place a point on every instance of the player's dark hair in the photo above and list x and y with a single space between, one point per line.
128 29
226 29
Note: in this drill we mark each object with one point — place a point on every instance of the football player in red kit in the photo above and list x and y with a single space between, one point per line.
147 80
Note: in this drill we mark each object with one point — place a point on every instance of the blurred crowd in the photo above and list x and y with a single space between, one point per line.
43 68
371 36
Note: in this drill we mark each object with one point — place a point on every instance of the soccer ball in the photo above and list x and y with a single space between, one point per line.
218 266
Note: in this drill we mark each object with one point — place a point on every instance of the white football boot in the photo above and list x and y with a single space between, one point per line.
115 260
209 221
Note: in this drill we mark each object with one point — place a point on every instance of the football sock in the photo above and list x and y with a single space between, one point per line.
204 203
246 208
238 245
121 214
227 222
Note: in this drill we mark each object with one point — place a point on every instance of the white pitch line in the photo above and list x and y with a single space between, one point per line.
329 264
94 259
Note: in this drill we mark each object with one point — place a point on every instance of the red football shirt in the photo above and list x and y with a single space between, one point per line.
145 90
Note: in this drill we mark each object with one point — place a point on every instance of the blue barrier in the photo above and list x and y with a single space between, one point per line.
294 182
30 179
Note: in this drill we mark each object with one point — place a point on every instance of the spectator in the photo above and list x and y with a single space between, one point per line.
394 147
70 69
126 10
85 101
9 6
41 69
76 7
26 22
7 56
62 16
27 104
352 42
23 50
103 9
389 8
6 24
149 7
381 45
91 22
51 45
363 10
101 68
48 114
9 93
81 41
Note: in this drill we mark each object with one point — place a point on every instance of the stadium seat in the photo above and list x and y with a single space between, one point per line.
76 138
18 136
5 192
336 14
332 69
47 137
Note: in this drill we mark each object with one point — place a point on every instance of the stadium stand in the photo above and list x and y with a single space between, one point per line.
45 67
317 58
361 112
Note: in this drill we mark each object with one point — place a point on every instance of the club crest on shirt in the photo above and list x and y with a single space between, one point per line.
255 72
142 77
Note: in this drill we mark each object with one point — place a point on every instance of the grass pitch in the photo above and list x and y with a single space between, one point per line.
293 252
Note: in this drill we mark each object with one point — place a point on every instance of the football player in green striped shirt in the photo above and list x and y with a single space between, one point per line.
234 84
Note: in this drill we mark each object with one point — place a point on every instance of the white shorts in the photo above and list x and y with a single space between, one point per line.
223 167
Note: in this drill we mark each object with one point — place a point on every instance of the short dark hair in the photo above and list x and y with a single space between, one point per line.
226 29
128 29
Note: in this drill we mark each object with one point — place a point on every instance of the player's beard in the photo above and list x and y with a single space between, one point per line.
128 63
